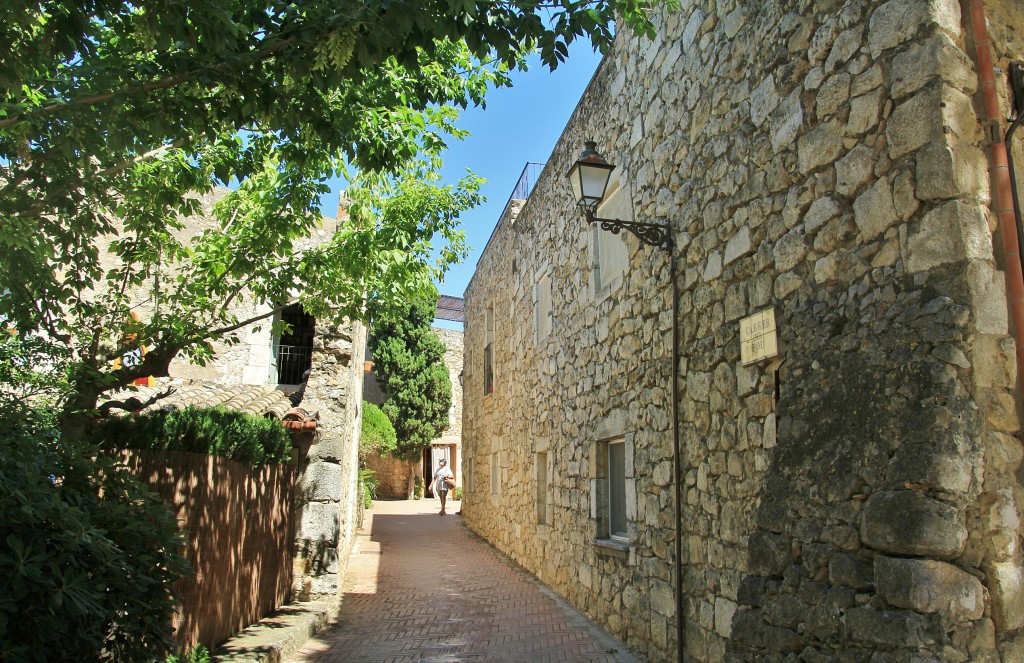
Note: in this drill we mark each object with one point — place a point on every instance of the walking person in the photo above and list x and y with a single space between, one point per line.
444 480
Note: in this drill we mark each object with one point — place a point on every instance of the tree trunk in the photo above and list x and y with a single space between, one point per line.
89 383
79 412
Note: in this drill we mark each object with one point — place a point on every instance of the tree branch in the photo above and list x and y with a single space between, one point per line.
166 83
243 323
40 207
139 158
134 404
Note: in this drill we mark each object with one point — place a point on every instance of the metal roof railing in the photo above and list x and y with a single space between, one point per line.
527 180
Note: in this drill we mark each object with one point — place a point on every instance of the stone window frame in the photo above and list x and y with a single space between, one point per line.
542 486
616 205
543 320
488 351
616 543
495 471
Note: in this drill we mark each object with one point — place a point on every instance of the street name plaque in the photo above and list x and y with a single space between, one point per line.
758 337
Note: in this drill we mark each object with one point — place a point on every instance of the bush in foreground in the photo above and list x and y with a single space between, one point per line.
88 556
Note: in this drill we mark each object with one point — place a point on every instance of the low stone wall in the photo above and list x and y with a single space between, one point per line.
394 476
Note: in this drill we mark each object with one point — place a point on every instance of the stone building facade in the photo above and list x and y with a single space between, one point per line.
255 357
856 497
450 443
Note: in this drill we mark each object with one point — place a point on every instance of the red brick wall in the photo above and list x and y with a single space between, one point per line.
238 525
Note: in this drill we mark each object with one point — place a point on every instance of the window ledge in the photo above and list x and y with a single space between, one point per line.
612 547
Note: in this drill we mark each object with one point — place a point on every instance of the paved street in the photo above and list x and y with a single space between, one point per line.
421 587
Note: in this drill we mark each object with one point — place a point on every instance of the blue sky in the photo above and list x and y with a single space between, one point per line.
520 124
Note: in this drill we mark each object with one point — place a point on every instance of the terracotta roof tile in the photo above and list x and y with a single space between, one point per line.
299 419
263 401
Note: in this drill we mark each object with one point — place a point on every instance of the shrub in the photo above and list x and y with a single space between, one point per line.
418 488
88 556
378 433
197 655
216 431
368 483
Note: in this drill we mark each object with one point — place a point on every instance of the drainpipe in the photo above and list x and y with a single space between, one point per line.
1001 185
1017 89
677 454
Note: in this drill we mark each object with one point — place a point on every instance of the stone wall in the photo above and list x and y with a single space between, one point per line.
856 498
453 361
326 490
394 476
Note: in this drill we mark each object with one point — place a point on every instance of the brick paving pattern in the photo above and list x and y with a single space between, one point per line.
421 587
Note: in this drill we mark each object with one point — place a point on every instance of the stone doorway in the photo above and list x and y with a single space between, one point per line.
431 459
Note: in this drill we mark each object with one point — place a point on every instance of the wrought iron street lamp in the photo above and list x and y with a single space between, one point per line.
589 180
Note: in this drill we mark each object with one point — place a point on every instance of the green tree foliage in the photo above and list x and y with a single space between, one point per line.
409 361
216 431
116 115
32 373
378 435
88 556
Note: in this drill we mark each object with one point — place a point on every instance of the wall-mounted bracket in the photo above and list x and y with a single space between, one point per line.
651 234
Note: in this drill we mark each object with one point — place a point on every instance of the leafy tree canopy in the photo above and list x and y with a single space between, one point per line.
115 117
409 361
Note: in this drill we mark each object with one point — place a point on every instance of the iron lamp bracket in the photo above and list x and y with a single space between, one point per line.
651 234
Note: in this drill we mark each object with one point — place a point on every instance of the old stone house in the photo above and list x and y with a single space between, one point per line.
317 363
833 168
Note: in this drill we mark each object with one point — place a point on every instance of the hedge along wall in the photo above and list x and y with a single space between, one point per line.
238 522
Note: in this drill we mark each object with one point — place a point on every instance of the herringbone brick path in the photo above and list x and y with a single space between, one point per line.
421 587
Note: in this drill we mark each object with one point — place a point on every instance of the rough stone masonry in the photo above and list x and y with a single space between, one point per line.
856 498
